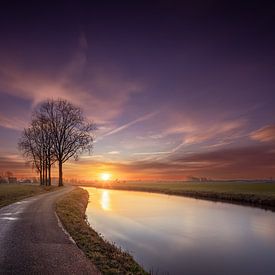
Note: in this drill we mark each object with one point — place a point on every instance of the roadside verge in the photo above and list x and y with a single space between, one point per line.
10 193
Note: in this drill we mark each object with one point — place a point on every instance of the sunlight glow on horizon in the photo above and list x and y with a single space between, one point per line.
105 176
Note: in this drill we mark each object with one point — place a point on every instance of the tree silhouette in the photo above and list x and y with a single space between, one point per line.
35 145
58 132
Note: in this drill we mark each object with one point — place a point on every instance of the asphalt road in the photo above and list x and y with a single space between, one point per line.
32 241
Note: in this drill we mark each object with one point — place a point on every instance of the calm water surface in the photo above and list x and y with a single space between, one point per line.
178 235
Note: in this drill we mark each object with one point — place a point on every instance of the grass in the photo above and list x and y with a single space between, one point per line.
10 193
261 194
107 257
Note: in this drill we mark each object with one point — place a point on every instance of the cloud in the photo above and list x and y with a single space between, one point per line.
14 123
240 162
219 144
218 130
243 162
114 153
83 43
173 150
265 134
188 130
37 87
260 155
185 127
15 164
131 123
101 92
151 136
220 134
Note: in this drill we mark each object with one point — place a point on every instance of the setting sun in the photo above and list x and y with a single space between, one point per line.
105 176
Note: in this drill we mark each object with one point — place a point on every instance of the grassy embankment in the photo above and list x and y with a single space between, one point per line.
10 193
107 257
260 194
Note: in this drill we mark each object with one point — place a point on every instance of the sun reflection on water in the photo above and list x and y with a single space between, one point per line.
105 200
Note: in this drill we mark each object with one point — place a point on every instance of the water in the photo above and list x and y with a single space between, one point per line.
178 235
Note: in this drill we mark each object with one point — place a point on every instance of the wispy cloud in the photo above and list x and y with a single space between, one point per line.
114 153
242 162
173 150
218 130
15 164
101 92
131 123
14 123
150 136
221 134
264 134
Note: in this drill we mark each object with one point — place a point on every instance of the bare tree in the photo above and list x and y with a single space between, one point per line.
58 132
37 147
70 133
30 146
46 146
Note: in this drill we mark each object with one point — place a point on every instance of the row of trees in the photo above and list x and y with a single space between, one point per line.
58 131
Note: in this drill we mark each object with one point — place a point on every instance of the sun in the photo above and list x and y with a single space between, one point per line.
105 176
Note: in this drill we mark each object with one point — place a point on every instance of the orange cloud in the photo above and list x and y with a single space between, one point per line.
265 134
225 128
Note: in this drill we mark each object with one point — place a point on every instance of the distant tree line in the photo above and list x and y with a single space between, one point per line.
7 177
58 131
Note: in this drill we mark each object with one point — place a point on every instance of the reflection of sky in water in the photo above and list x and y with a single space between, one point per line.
8 218
177 234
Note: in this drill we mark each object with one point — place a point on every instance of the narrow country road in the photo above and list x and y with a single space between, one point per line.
32 241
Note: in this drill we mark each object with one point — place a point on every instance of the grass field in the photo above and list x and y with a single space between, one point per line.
107 257
10 193
255 193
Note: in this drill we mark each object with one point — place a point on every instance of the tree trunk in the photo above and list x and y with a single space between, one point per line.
60 183
40 175
49 167
43 173
46 174
49 175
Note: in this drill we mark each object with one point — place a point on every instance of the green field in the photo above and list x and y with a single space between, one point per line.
256 193
10 193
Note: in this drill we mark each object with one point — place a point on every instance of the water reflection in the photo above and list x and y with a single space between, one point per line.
105 200
183 235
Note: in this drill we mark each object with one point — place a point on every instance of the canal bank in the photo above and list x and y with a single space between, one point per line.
107 257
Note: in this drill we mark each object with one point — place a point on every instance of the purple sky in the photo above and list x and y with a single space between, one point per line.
175 89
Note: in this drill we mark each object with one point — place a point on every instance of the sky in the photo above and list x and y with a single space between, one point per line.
176 89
